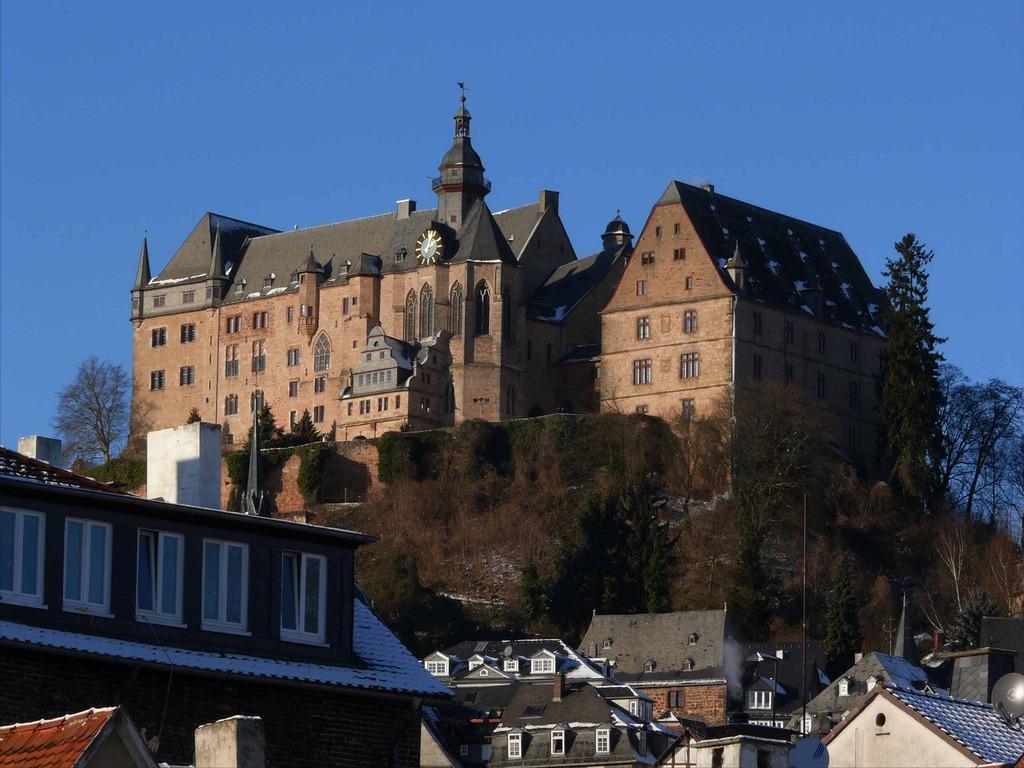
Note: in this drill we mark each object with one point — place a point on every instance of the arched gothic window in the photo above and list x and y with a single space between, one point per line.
455 310
322 353
507 331
483 309
410 316
426 312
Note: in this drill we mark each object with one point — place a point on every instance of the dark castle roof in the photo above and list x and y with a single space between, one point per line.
570 283
785 257
367 246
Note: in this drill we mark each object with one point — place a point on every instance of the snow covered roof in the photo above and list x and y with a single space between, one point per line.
387 664
973 725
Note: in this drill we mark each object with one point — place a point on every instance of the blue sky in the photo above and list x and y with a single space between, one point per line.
874 119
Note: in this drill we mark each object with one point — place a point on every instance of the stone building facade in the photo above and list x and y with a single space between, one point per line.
243 311
722 296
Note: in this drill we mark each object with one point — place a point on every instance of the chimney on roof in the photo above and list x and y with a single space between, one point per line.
235 742
405 208
558 687
708 187
183 464
548 199
46 449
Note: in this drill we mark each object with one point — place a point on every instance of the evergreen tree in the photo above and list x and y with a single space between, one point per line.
966 631
842 622
533 594
304 431
749 604
910 397
193 416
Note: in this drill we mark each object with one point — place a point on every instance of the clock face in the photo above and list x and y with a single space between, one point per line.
429 247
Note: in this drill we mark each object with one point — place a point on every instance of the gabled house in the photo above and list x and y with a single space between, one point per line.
893 727
574 724
679 660
186 611
872 671
736 745
774 678
498 662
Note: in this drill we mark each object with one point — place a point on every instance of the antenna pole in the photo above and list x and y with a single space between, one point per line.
803 629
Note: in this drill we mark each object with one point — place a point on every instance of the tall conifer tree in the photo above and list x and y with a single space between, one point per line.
842 622
910 396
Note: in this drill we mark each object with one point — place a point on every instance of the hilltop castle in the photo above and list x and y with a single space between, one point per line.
415 319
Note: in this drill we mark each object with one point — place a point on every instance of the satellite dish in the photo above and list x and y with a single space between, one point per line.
1008 696
507 651
808 752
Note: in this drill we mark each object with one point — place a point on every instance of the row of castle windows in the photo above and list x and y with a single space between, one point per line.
643 324
424 305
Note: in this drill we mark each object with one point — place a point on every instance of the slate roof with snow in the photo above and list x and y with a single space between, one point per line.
886 669
973 724
386 664
785 256
570 283
574 665
14 464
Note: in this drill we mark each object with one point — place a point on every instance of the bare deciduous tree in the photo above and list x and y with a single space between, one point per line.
92 411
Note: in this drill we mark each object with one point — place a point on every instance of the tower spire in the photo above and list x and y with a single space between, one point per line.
142 273
906 647
461 182
252 497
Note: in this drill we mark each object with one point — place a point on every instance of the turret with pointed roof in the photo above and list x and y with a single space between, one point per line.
252 497
310 273
737 267
216 279
142 278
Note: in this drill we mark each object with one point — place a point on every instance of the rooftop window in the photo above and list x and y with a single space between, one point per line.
225 586
21 557
603 741
303 597
158 577
87 566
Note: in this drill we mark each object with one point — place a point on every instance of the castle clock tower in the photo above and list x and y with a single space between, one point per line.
462 181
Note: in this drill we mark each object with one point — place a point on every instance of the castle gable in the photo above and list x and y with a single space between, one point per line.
787 259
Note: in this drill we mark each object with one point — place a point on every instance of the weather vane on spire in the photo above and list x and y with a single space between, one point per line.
462 87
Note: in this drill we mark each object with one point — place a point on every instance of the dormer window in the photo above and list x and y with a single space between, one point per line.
607 643
872 682
844 687
760 700
511 665
558 742
688 665
649 665
437 667
692 639
515 745
634 707
474 662
294 279
268 281
542 665
603 741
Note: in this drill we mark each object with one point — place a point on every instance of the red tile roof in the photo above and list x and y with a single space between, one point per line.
57 743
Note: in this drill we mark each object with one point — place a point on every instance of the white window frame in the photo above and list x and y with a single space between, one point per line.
760 699
603 741
474 662
844 687
220 624
634 707
544 665
300 635
155 615
83 605
16 595
437 667
559 734
515 746
511 665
